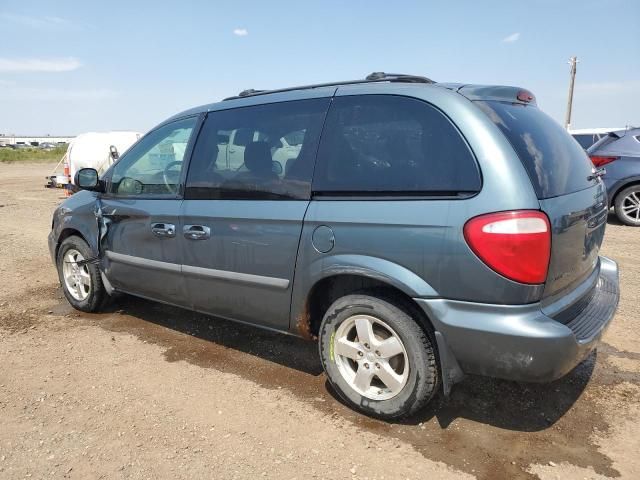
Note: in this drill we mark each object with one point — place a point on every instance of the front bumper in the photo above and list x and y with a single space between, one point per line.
523 342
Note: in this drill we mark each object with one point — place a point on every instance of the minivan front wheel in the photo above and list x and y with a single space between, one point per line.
80 281
627 206
377 357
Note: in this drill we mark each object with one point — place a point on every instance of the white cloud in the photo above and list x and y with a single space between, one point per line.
39 64
34 22
514 37
241 32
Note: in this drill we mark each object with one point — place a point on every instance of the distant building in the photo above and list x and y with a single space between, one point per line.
33 139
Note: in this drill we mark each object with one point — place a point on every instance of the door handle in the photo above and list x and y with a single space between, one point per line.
196 232
164 230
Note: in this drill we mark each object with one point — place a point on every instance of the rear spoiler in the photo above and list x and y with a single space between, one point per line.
498 93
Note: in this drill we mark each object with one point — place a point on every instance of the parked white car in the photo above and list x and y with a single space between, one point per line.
231 148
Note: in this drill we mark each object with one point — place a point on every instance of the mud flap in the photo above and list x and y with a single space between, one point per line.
451 371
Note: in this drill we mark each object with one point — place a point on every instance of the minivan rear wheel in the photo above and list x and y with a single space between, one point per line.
627 206
377 357
81 282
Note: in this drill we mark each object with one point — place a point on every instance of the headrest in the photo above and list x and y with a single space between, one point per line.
257 157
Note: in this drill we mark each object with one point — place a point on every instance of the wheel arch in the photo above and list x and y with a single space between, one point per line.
620 186
336 276
69 232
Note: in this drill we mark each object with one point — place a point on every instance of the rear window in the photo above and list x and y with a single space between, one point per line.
585 139
556 164
393 145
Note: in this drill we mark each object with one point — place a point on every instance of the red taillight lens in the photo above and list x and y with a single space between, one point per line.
515 244
600 161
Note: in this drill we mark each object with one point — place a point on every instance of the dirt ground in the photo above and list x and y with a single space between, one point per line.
149 391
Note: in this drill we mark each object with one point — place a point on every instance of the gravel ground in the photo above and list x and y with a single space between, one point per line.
149 391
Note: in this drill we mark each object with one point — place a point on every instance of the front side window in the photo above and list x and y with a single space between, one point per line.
243 153
394 145
153 166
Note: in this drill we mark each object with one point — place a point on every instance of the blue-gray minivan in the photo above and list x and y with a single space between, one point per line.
418 231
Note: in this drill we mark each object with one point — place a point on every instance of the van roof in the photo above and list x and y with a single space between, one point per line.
374 77
472 92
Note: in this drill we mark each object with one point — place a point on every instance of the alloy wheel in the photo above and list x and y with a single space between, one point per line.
631 207
371 357
77 279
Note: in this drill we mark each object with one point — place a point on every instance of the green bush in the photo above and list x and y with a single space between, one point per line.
9 155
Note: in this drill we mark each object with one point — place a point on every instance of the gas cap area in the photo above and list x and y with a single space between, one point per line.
323 239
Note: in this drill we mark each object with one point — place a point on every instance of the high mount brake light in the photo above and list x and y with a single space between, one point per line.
525 96
515 244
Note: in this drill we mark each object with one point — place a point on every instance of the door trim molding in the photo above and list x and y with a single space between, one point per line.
281 283
274 282
142 262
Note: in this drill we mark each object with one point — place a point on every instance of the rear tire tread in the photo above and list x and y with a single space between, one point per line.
401 317
618 205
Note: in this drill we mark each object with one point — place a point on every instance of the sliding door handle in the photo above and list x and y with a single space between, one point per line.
196 232
163 230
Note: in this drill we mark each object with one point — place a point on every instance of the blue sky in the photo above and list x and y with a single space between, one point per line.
70 67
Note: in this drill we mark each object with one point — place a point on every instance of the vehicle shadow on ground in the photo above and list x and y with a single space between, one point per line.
500 403
526 407
522 407
613 219
286 350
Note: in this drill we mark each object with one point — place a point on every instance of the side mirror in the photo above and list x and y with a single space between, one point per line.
113 151
87 179
276 168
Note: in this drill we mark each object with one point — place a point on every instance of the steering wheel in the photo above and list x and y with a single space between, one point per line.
128 185
170 183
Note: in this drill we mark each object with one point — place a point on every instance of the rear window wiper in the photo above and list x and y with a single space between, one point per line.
597 173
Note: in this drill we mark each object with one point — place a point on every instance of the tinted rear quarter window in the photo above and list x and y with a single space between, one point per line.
392 144
556 164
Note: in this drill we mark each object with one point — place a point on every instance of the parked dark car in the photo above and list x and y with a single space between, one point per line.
619 154
420 231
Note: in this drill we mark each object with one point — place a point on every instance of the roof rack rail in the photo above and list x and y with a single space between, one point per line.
374 77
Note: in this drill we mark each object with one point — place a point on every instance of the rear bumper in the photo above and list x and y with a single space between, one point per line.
521 342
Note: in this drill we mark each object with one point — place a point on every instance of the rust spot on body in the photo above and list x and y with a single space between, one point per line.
303 324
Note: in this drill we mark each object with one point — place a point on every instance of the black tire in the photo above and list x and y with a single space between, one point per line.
619 204
97 294
423 374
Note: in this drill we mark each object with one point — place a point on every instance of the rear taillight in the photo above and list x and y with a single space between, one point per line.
515 244
599 161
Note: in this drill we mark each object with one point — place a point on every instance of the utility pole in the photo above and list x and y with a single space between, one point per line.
572 62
